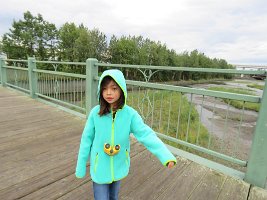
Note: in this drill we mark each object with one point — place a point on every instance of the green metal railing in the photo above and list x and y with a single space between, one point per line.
161 106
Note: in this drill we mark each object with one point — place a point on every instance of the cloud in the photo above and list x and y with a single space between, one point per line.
233 30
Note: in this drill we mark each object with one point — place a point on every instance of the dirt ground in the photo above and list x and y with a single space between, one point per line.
234 135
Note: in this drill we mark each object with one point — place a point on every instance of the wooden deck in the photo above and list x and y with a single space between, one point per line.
38 149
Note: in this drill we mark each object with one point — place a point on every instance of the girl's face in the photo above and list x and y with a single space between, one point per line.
111 93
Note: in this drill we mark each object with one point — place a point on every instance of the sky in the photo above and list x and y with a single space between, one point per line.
234 30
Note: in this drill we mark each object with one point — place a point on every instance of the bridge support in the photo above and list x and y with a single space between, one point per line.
257 164
32 77
2 72
91 84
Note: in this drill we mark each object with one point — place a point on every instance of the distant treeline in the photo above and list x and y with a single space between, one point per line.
33 36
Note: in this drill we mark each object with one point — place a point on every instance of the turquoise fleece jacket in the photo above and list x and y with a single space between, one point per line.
100 130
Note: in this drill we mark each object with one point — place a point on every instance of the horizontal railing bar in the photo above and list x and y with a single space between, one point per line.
189 69
204 150
60 73
17 87
63 62
17 68
205 92
62 102
207 162
16 60
172 68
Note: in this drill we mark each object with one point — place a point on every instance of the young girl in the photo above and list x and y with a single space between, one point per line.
106 138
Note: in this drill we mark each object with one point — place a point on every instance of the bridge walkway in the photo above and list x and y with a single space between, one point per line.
38 149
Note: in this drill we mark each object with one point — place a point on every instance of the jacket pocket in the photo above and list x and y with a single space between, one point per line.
127 157
96 162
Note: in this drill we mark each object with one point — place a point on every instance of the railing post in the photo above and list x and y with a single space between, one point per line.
32 77
256 173
91 84
3 72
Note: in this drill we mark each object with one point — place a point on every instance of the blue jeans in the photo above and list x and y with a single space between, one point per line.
106 191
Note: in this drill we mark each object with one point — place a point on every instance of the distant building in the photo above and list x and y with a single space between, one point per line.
253 68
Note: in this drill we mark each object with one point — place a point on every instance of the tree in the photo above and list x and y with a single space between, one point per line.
79 43
32 36
68 35
1 46
82 45
98 45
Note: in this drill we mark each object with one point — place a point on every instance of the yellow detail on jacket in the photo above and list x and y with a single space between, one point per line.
101 130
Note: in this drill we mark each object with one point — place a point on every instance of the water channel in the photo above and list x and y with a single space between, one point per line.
235 137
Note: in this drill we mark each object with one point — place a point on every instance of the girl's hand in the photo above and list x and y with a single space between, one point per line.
170 164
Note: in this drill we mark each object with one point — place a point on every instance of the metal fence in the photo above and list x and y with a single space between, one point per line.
174 112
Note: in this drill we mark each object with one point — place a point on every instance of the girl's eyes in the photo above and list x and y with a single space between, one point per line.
114 88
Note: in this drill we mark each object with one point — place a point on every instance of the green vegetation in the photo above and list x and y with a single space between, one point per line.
33 36
193 82
260 87
241 81
165 120
236 103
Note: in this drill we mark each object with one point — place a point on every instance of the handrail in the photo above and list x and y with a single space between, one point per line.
199 91
59 73
188 69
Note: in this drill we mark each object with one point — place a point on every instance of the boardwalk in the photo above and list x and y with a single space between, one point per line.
38 148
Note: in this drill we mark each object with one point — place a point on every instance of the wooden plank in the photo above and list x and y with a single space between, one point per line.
20 115
234 189
4 92
160 181
143 166
58 188
37 182
24 137
210 186
136 147
12 177
36 130
30 121
41 154
84 192
182 185
35 153
257 193
45 156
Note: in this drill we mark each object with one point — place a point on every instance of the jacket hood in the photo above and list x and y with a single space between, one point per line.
118 77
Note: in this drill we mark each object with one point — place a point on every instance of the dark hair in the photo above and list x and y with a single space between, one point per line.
104 106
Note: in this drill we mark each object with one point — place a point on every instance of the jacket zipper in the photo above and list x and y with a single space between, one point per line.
112 144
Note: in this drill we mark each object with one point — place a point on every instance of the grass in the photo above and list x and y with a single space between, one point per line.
236 103
241 81
193 82
257 86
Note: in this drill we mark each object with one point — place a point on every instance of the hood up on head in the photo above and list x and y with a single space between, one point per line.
118 77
